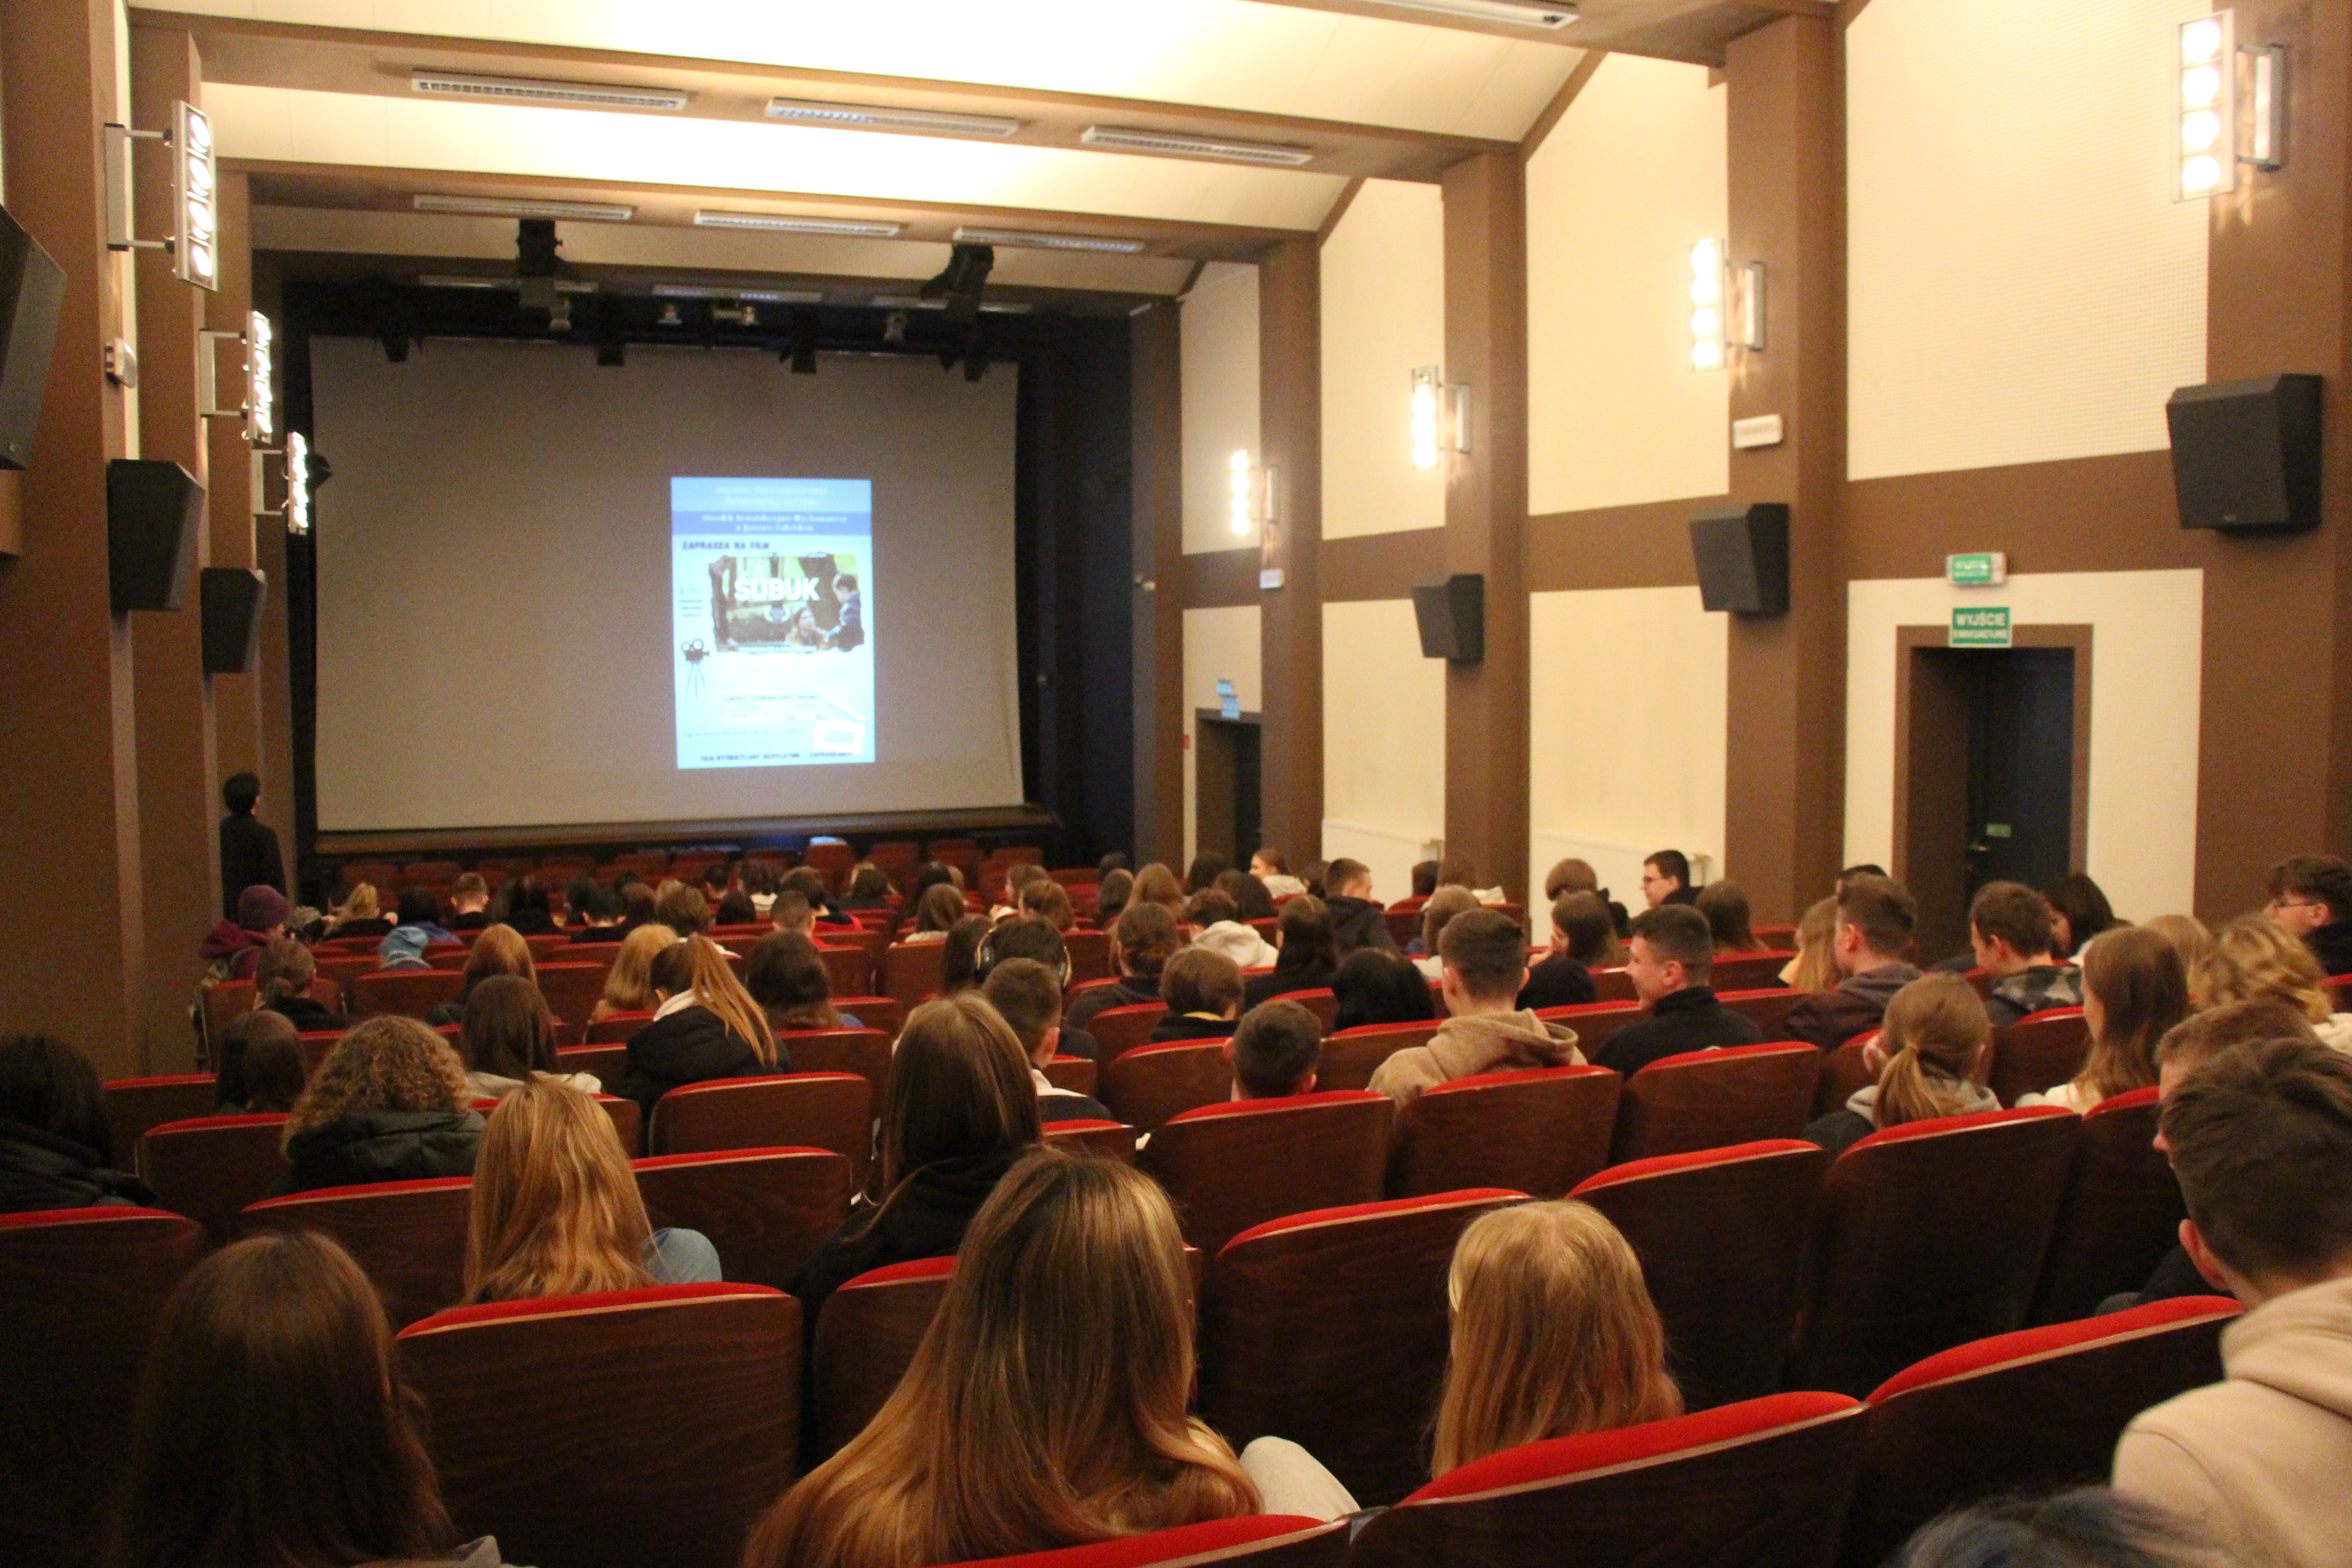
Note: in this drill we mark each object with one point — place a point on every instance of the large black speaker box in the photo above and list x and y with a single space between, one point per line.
2245 454
153 511
1743 559
32 288
232 598
1452 614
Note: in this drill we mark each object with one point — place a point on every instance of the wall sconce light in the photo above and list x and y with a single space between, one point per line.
1240 465
1441 417
2220 126
295 505
1727 306
195 244
260 409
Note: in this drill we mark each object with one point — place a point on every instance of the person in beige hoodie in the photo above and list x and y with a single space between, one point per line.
2261 1138
1485 963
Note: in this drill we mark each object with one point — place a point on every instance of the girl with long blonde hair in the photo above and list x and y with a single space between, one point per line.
1554 1334
628 984
1931 1045
1815 967
706 1025
2254 958
2134 989
1046 1406
556 1211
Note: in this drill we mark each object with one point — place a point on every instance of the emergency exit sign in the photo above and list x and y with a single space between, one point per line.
1979 627
1976 569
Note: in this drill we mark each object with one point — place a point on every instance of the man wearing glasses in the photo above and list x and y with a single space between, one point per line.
1665 880
2311 895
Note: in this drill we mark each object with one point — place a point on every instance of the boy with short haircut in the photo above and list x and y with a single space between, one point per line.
1875 917
469 898
2311 895
2261 1138
601 908
791 912
1276 1051
1485 964
2011 928
1202 989
1356 921
1028 995
1665 880
1672 955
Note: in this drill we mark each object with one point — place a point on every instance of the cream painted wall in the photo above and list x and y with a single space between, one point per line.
1633 175
1383 316
2147 639
2021 287
1219 363
1627 713
1219 645
1383 742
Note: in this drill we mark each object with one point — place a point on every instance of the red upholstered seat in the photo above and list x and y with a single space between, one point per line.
1931 1234
1403 920
866 1336
135 1104
2122 1211
613 1430
1079 1075
1721 1233
1111 1139
765 1210
408 993
616 1028
848 966
80 1290
1089 954
578 951
543 946
604 1063
1843 1071
883 1013
1324 1004
1269 1541
573 990
2032 1411
1230 1166
1593 1021
1117 1029
2339 987
820 1110
1747 971
1613 985
228 1000
1759 1485
2039 1052
410 1237
210 1167
1331 1329
1146 1086
1351 1056
1768 1007
628 1121
910 972
1712 1099
865 1052
1539 1131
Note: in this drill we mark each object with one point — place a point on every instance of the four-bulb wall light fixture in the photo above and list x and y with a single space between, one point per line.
2231 107
1727 306
195 244
259 414
1251 493
1441 417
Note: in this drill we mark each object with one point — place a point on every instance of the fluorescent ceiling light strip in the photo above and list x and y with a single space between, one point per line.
523 90
1551 18
861 228
524 206
1140 139
476 280
908 303
883 116
1035 241
723 291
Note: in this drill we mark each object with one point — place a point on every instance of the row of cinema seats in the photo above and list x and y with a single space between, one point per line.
654 1425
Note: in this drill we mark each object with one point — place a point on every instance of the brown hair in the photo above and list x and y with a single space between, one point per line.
2321 877
2261 1138
1570 876
1210 906
1590 930
1201 980
1934 1034
1554 1334
1451 899
1679 933
1156 884
1881 909
1028 996
2015 913
2199 1038
2142 993
1457 872
382 1064
1146 939
2254 956
1046 1406
700 965
282 969
681 907
1276 1045
272 1426
1343 874
939 908
1488 950
1817 949
2189 938
1304 926
509 1031
960 1085
260 1063
1723 902
1048 900
499 950
787 980
628 985
555 1209
1273 857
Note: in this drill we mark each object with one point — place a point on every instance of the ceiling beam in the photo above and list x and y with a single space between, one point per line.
1694 31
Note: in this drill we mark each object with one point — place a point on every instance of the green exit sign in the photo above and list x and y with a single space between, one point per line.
1979 627
1977 569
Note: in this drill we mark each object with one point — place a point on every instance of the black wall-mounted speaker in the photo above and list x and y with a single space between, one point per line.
2245 454
1452 614
1743 559
32 291
153 511
232 597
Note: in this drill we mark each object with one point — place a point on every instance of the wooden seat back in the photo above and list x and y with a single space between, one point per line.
1712 1099
1539 1130
1228 1167
1147 1084
210 1167
410 1237
2121 1214
816 1109
766 1211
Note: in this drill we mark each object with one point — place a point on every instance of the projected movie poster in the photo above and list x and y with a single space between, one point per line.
770 589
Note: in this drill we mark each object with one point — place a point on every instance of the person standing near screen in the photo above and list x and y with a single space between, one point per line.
249 846
851 630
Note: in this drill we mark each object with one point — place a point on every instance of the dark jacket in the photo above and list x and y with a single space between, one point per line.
1558 982
690 1045
40 1170
1126 990
374 925
1184 1027
1073 1043
1681 895
2332 945
534 922
1829 1018
472 920
248 858
309 1017
1690 1019
382 1146
1063 1106
1283 981
1358 923
2033 989
925 1217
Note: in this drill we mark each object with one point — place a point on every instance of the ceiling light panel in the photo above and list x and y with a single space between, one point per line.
1139 139
773 223
524 89
503 206
882 117
1031 241
1546 18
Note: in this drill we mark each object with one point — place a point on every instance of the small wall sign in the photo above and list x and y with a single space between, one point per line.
1229 704
1976 569
1974 626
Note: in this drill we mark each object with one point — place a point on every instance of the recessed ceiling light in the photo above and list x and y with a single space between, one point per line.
1517 13
524 206
883 116
859 228
524 89
1138 139
1036 241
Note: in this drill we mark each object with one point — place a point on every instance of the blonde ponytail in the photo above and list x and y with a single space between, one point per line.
1935 1033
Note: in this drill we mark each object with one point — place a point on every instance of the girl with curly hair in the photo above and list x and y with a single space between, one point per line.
389 1104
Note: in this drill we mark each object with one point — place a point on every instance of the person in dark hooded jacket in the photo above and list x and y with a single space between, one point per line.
232 948
705 1026
1356 921
389 1104
56 1150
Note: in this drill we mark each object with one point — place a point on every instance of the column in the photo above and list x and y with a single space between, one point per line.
1290 625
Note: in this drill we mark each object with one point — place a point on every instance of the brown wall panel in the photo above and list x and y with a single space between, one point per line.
1290 629
1219 579
1381 565
1642 546
1158 436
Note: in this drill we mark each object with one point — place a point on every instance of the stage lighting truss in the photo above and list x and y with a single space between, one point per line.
259 410
195 244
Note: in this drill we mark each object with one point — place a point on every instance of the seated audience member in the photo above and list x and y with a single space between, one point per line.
1213 920
1375 985
715 881
2078 911
629 983
576 894
1017 878
233 947
601 917
272 1425
1577 875
1270 867
530 910
681 907
1723 902
961 1108
2311 895
636 905
2133 994
1554 1334
1931 1043
499 950
929 875
281 985
1156 884
1867 868
1251 900
2088 1527
509 1039
2189 938
791 912
420 927
1873 922
1560 979
1461 871
1424 879
1665 880
1356 921
1313 874
1114 861
469 902
1673 955
1276 1051
1815 967
1112 897
389 1104
705 1026
1202 989
2261 1138
734 908
1141 947
869 888
358 915
1028 997
57 1148
1304 959
809 883
1047 1406
257 1065
960 954
1049 902
1450 900
2012 929
787 978
1204 870
2254 957
1485 964
1026 936
555 1209
248 846
936 913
